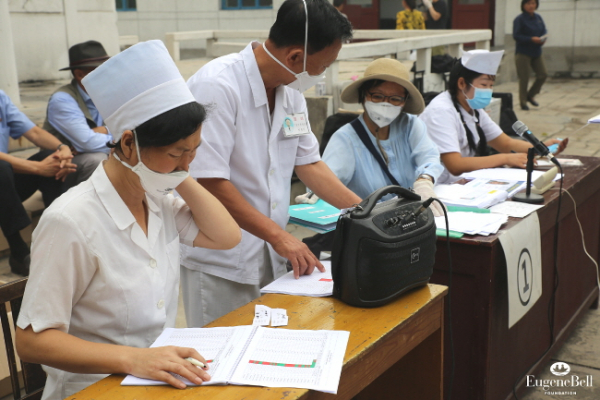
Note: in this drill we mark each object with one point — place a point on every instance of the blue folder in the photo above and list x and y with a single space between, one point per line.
320 217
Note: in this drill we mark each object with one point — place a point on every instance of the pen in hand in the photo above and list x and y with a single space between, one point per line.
196 362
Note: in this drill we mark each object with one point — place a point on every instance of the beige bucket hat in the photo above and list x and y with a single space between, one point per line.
391 70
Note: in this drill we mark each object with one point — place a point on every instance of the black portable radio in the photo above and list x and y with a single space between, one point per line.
381 250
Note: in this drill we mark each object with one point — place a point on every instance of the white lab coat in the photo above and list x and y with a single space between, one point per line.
95 274
245 144
446 129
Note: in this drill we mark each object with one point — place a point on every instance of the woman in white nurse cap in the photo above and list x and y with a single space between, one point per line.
105 260
460 127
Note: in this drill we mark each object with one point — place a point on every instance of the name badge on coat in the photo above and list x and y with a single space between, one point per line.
295 125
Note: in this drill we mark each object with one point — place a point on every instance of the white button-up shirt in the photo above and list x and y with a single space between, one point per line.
244 143
97 276
446 129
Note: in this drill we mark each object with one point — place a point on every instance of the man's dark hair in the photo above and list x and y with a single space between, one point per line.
337 3
326 25
412 4
523 2
169 127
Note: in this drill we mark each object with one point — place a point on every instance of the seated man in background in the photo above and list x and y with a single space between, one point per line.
72 116
20 178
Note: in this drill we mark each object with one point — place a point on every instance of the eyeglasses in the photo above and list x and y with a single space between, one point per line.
393 100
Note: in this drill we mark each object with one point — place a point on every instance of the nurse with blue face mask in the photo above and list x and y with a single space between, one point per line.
457 122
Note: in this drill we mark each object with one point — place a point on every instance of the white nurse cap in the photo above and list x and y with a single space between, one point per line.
482 61
136 85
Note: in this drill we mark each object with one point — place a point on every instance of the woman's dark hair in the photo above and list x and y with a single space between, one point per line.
326 25
169 127
523 2
459 71
367 86
337 3
412 4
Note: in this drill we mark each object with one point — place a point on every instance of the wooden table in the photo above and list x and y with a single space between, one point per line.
392 349
490 357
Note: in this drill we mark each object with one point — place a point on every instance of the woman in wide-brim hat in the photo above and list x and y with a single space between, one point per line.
391 104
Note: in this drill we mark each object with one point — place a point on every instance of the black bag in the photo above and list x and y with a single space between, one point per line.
379 252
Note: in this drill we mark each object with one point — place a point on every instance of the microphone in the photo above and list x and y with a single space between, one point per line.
522 130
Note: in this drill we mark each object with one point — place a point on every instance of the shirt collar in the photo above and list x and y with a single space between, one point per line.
253 73
112 202
86 97
257 85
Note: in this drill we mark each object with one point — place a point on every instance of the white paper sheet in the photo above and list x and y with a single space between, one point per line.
472 223
505 174
318 284
522 250
515 209
214 344
294 358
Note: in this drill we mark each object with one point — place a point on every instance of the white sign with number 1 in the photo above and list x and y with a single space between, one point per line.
522 250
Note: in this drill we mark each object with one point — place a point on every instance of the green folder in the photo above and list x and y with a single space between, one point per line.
453 234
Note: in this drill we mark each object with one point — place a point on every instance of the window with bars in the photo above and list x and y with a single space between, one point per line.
126 5
246 4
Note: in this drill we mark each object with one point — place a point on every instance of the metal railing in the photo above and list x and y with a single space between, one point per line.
381 43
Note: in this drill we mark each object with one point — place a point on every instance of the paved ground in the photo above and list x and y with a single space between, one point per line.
565 107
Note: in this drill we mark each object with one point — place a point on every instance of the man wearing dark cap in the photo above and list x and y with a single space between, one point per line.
72 116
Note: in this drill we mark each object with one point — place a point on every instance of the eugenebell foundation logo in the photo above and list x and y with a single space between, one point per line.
563 384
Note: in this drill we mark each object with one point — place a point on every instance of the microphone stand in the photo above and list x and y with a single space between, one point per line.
529 197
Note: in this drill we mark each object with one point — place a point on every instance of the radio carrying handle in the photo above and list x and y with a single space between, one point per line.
367 205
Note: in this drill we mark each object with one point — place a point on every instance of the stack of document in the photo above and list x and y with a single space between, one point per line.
321 217
478 193
317 284
505 174
472 223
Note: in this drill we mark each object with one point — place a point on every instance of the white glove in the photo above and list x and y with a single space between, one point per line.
427 3
307 198
424 188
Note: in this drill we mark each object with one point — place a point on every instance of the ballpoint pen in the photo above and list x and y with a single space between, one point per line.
196 362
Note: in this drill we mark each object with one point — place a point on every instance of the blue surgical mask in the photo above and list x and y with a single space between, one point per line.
481 98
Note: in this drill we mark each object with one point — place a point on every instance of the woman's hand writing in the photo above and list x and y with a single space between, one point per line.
159 363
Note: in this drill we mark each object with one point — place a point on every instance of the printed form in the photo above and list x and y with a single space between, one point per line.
259 356
317 284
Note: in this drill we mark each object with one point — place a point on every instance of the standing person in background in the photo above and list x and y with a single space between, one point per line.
74 119
409 18
529 32
436 17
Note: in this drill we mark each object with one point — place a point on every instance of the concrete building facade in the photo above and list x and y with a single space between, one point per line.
41 32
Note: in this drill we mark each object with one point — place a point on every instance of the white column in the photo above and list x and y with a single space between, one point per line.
9 81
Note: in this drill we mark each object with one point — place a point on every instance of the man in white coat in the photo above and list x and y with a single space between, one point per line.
247 158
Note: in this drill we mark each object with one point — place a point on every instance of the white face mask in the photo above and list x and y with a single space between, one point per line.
154 183
382 113
303 81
